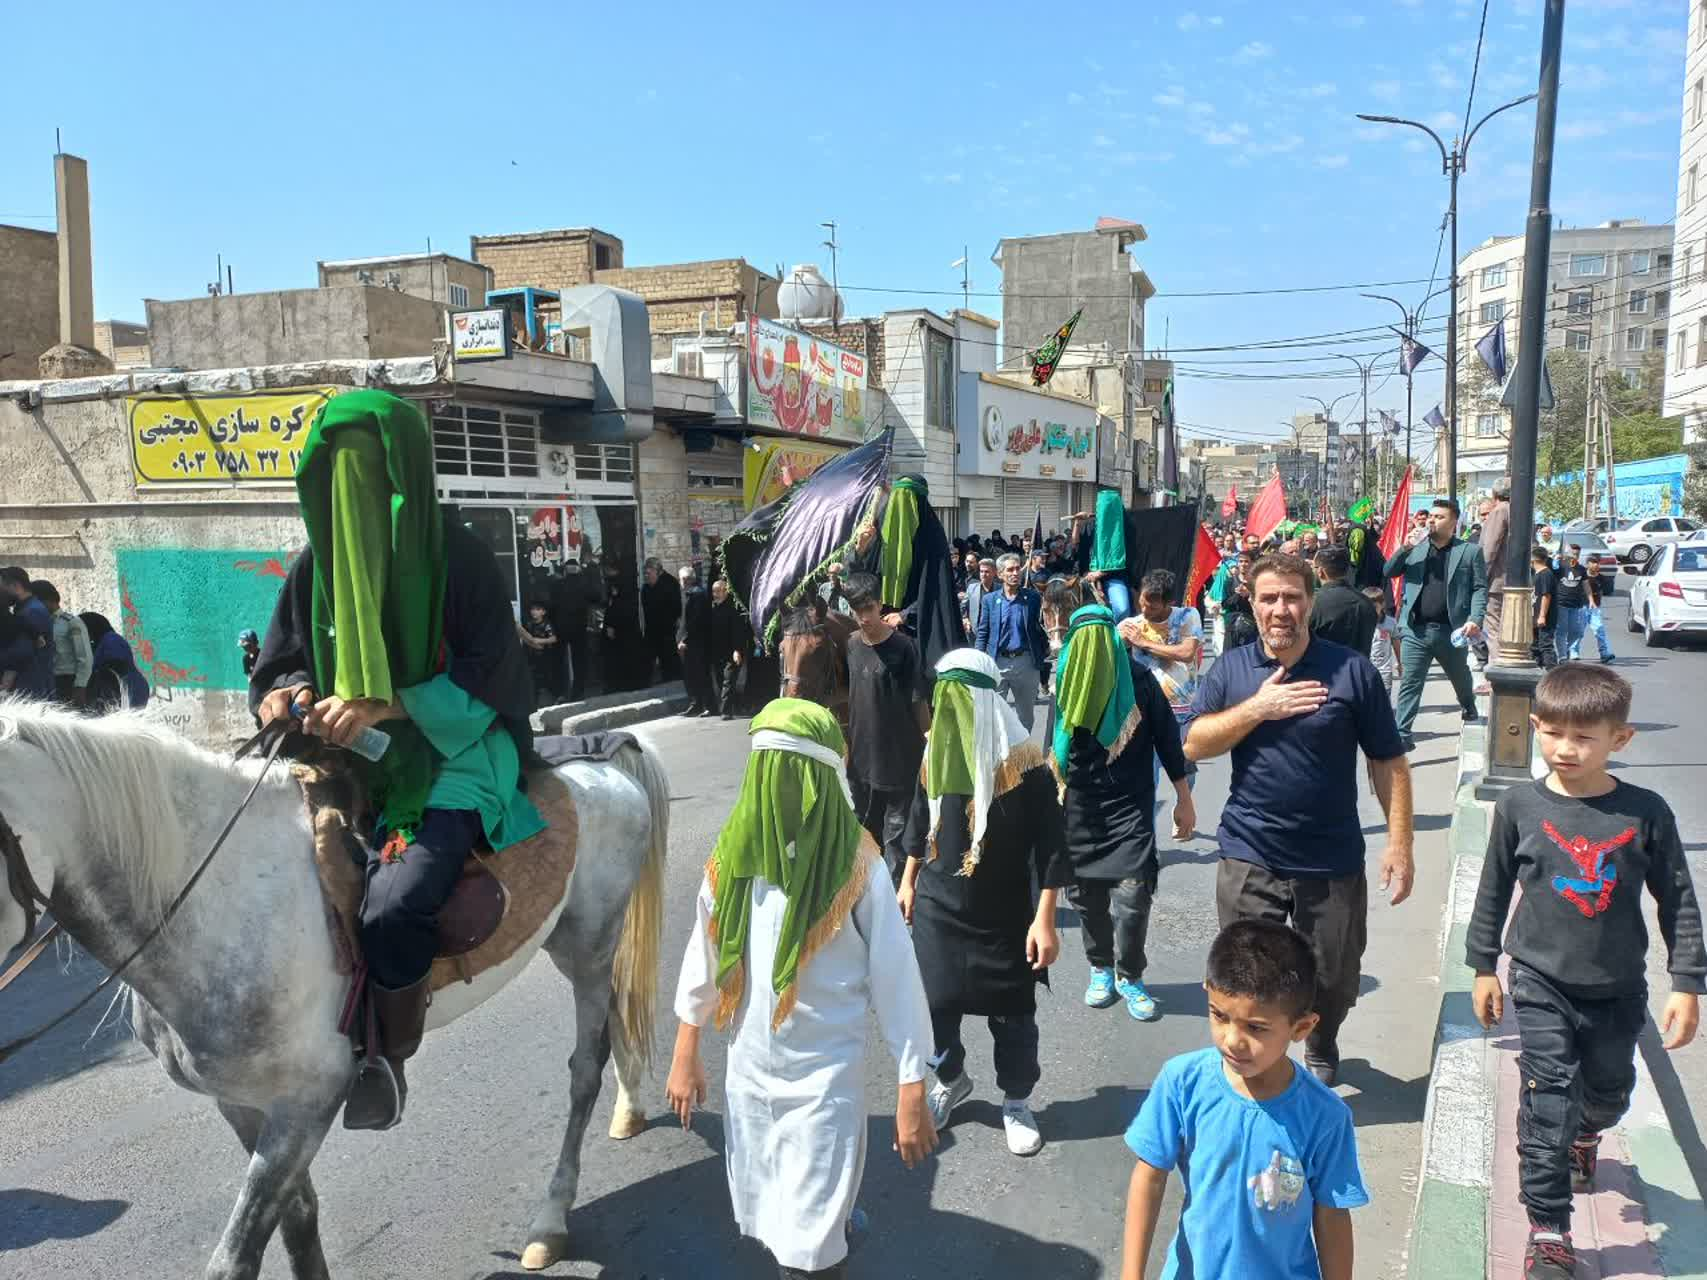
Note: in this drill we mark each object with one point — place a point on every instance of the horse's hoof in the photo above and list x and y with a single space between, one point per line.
542 1253
627 1123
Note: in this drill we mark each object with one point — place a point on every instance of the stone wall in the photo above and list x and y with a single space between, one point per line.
863 336
724 289
421 276
292 326
29 288
662 483
545 259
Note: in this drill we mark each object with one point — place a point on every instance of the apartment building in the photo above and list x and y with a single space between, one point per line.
1686 346
1609 298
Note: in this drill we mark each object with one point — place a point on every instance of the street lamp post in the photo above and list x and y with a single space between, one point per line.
1413 321
1328 407
1363 369
1514 675
1452 164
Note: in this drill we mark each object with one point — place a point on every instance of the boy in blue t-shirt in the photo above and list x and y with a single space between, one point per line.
1266 1151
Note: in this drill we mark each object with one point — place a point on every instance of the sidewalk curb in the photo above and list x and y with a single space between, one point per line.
611 710
1450 1233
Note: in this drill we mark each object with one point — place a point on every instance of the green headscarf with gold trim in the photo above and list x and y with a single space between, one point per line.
900 527
1093 684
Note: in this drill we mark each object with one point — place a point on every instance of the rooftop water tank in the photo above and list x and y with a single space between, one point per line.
806 295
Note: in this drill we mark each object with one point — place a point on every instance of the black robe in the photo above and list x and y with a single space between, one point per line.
930 606
969 931
484 657
1110 814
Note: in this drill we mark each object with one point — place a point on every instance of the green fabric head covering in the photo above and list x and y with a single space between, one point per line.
948 755
900 527
1108 551
793 825
1093 685
365 485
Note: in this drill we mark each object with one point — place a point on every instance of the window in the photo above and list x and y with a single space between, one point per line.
1662 301
1155 386
1686 526
1692 186
1677 351
1638 302
609 462
1581 302
1487 424
1641 261
1635 339
1576 340
1587 264
601 257
1632 378
1493 277
1695 97
1657 340
1701 341
477 440
459 295
1492 312
1682 276
1664 262
939 380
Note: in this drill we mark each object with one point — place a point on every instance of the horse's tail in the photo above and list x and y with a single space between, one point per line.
634 972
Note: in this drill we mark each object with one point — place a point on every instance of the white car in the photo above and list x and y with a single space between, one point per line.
1668 595
1638 540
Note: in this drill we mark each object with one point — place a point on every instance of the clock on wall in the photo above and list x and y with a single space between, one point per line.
993 429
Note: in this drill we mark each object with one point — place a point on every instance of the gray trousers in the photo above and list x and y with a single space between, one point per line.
1020 678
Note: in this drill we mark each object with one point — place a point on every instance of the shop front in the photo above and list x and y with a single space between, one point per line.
1025 455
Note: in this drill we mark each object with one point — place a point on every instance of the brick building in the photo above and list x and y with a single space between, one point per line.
29 283
438 277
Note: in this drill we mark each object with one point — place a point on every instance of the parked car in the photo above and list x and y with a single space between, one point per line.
1638 541
1595 524
1668 595
1592 544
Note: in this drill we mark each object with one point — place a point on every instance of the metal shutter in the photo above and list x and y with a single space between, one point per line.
1021 501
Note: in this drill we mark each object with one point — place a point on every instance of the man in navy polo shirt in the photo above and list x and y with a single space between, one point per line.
1294 710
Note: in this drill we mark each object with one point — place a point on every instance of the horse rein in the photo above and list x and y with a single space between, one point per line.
29 895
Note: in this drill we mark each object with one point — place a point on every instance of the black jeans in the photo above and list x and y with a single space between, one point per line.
697 678
1333 913
727 676
1017 1068
575 640
1114 918
400 909
1542 649
884 814
1578 1064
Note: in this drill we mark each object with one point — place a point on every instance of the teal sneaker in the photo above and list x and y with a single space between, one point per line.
1139 1002
1100 992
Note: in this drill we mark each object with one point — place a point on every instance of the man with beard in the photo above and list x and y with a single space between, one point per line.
1294 711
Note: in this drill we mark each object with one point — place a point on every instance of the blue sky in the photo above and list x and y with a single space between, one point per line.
1228 129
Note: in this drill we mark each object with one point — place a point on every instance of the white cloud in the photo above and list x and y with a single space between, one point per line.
1094 65
1174 97
952 179
1276 146
1337 161
1188 21
1373 132
1253 51
1162 157
1350 20
1102 140
1444 77
1325 89
1415 144
1215 21
1446 120
1588 78
1202 108
1074 99
1578 129
1221 137
1386 90
1662 116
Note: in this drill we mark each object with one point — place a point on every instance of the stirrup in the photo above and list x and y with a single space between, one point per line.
375 1099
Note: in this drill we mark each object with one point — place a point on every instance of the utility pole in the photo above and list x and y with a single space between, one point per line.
835 282
1413 321
1514 675
1591 437
1363 369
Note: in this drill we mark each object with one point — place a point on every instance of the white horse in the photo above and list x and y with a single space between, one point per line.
239 998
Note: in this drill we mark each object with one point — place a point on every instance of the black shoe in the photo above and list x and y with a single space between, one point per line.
1549 1255
706 712
691 710
1609 658
379 1092
1585 1158
728 715
1327 1072
1472 716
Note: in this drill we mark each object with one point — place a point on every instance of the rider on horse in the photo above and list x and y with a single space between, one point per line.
396 618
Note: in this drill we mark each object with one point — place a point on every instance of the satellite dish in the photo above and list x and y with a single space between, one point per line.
806 295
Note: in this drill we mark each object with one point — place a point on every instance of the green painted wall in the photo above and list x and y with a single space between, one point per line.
183 607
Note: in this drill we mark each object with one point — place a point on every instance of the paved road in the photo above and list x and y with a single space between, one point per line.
106 1170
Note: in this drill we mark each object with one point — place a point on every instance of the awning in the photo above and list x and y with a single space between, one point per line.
772 465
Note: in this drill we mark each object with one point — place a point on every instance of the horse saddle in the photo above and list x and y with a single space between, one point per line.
500 900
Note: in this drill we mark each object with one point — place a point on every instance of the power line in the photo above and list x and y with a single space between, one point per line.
1474 69
1123 297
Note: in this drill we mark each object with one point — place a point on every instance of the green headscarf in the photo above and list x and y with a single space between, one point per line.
950 750
900 527
365 484
794 826
1093 685
1108 549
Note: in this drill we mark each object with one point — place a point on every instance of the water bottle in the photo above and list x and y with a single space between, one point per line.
369 744
1459 641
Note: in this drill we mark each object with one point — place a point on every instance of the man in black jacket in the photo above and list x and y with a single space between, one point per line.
573 598
1340 613
730 644
661 605
693 644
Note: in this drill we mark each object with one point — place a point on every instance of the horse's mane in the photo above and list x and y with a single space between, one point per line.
128 770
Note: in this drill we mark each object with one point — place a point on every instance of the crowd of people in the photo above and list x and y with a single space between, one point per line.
51 653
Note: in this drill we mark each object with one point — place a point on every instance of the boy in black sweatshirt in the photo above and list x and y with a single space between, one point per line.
1581 845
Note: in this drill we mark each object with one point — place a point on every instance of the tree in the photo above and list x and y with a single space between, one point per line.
1558 502
1695 482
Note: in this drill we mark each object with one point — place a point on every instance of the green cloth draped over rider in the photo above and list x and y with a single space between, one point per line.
900 527
1108 549
1093 685
794 826
365 484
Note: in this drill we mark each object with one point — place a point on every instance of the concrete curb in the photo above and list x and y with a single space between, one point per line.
1450 1234
611 710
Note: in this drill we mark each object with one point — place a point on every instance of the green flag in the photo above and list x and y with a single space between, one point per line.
1360 510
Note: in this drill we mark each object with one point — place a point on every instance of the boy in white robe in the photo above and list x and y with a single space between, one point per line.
794 940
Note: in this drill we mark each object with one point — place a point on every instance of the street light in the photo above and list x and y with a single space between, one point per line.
1452 164
1328 407
1363 370
1412 320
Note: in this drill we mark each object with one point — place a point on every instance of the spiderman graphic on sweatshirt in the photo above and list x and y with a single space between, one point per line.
1592 890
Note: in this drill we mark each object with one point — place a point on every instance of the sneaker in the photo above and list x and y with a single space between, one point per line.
1609 658
944 1097
1585 1156
1021 1125
1100 992
1549 1255
1139 1002
692 709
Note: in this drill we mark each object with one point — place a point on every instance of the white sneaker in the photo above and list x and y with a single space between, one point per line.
944 1098
1023 1136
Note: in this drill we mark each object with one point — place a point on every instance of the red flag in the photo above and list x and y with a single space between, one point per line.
1393 532
1230 504
1268 509
1205 560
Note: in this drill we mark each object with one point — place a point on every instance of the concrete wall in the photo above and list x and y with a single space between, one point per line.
545 259
922 446
292 326
1042 276
725 289
29 299
123 342
662 481
419 275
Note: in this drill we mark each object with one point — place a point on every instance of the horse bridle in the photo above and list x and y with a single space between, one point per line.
28 894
